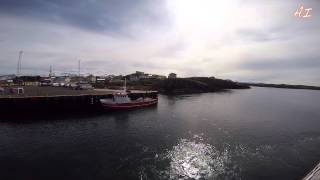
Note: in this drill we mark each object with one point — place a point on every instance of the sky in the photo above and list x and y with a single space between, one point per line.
241 40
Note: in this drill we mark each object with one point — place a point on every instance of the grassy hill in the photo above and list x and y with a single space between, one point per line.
196 85
181 85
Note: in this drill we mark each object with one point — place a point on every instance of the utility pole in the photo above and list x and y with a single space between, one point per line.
19 63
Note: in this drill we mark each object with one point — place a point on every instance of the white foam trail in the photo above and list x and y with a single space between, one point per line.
195 160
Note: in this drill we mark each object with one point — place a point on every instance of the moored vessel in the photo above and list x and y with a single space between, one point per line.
121 101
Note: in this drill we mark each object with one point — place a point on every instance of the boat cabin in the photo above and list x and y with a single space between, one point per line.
121 98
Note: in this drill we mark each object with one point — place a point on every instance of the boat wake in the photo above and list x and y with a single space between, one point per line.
193 159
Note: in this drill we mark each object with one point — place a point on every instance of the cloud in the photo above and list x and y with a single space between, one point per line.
240 40
259 35
95 15
282 64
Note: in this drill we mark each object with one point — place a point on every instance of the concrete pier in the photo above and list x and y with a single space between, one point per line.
43 99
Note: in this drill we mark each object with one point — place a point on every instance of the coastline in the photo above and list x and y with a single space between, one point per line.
284 86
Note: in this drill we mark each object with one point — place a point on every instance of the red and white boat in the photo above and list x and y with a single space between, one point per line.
121 101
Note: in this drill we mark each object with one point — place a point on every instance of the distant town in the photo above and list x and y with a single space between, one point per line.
77 81
26 85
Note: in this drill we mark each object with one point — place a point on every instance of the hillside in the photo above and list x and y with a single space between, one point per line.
195 85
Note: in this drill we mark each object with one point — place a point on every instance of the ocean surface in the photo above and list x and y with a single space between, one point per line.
258 133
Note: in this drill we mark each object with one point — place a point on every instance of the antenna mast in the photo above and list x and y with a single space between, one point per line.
79 70
19 63
79 67
50 72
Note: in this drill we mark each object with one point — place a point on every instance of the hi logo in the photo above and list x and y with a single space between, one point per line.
303 12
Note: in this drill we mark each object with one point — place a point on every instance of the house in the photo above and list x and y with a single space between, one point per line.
10 82
133 77
138 75
91 78
117 79
45 81
7 80
109 77
61 80
172 75
7 77
100 79
155 76
29 80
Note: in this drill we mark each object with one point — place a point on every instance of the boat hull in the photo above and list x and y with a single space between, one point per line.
130 105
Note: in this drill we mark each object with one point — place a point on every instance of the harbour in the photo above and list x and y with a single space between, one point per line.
258 133
159 90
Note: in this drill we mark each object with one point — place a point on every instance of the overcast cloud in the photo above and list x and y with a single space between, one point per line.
243 40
